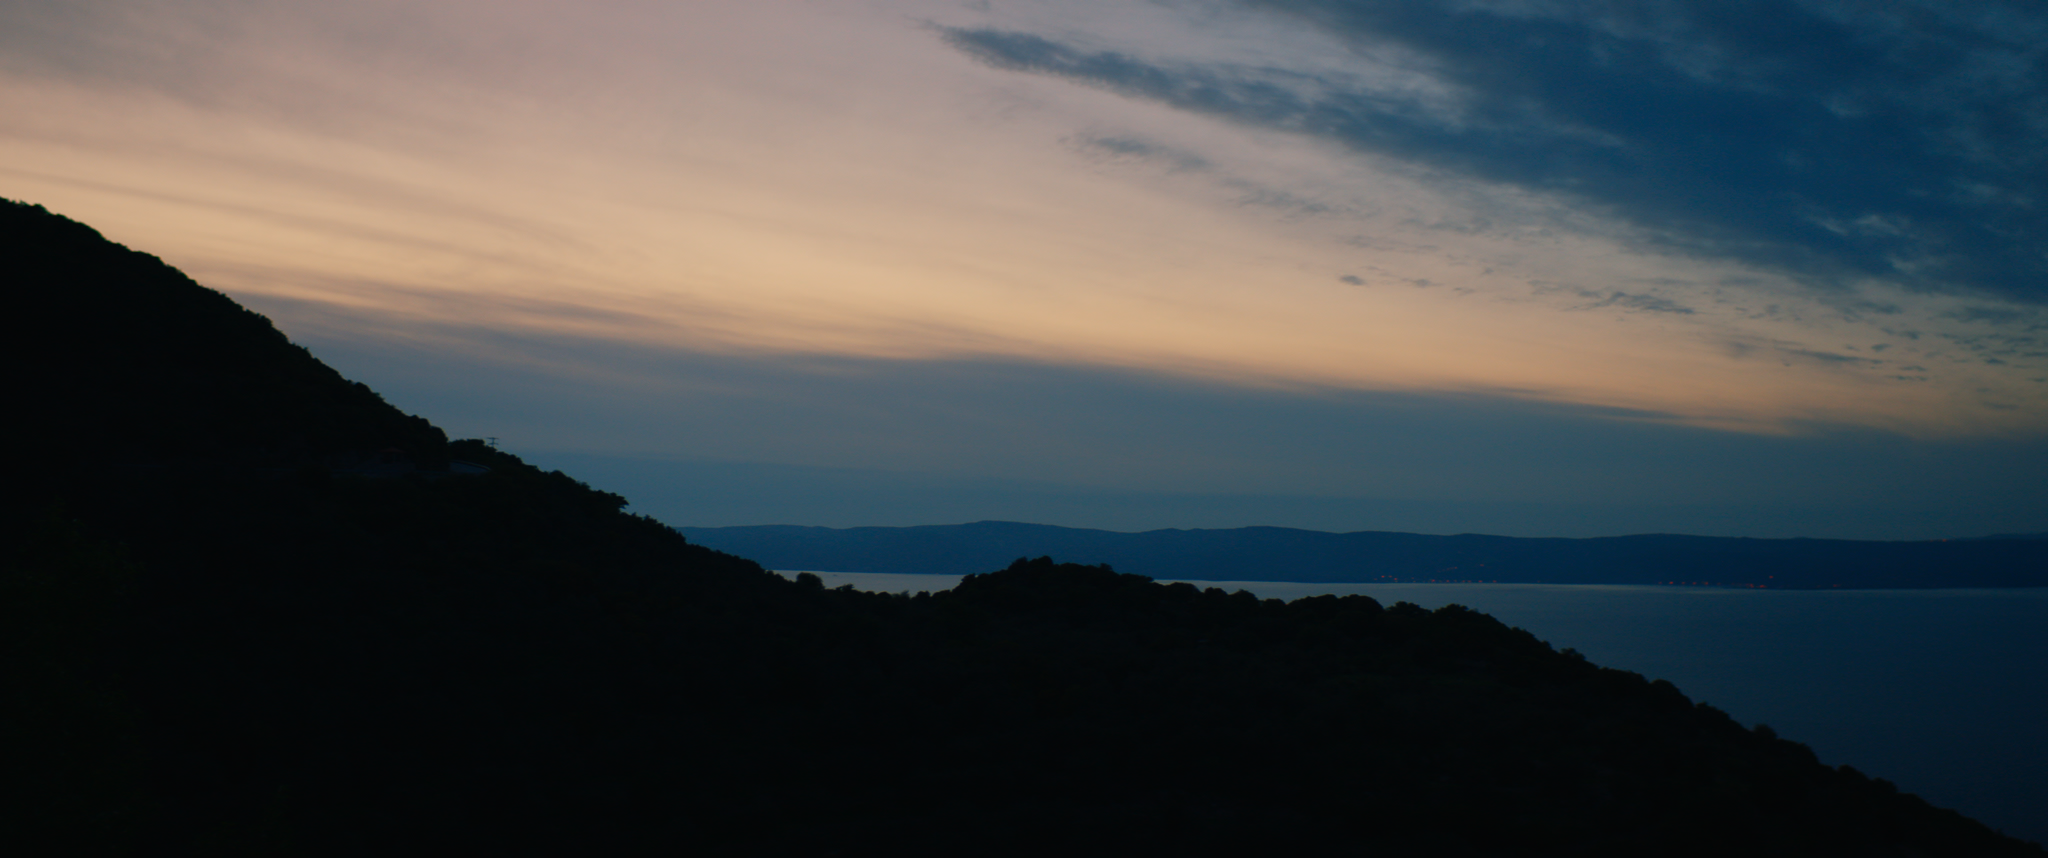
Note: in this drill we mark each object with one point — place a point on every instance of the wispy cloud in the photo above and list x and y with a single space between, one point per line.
1139 149
1822 357
1835 142
1639 302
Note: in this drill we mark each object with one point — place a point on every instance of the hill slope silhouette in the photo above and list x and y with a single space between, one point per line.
252 609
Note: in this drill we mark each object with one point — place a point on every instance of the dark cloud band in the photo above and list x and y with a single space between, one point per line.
1904 146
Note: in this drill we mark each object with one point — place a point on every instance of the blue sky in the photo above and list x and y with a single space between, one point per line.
1771 268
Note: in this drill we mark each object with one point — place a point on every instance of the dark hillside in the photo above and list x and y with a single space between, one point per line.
116 357
258 644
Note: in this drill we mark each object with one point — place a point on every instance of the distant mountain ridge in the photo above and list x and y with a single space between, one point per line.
1287 554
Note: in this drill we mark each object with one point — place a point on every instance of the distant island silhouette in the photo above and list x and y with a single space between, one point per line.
249 607
1287 554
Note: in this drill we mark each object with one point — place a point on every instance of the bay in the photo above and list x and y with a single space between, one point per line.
1942 692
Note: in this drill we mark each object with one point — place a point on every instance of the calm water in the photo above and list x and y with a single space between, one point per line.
1943 692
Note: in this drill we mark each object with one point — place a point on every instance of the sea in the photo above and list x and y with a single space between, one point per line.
1942 692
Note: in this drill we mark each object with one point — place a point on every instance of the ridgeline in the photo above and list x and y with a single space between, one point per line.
1287 554
250 608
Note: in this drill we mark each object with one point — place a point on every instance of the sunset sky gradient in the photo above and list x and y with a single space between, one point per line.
1764 268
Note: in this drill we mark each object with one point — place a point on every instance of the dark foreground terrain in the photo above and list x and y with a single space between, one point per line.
251 609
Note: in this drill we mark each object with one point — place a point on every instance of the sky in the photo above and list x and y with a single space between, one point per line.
1529 268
